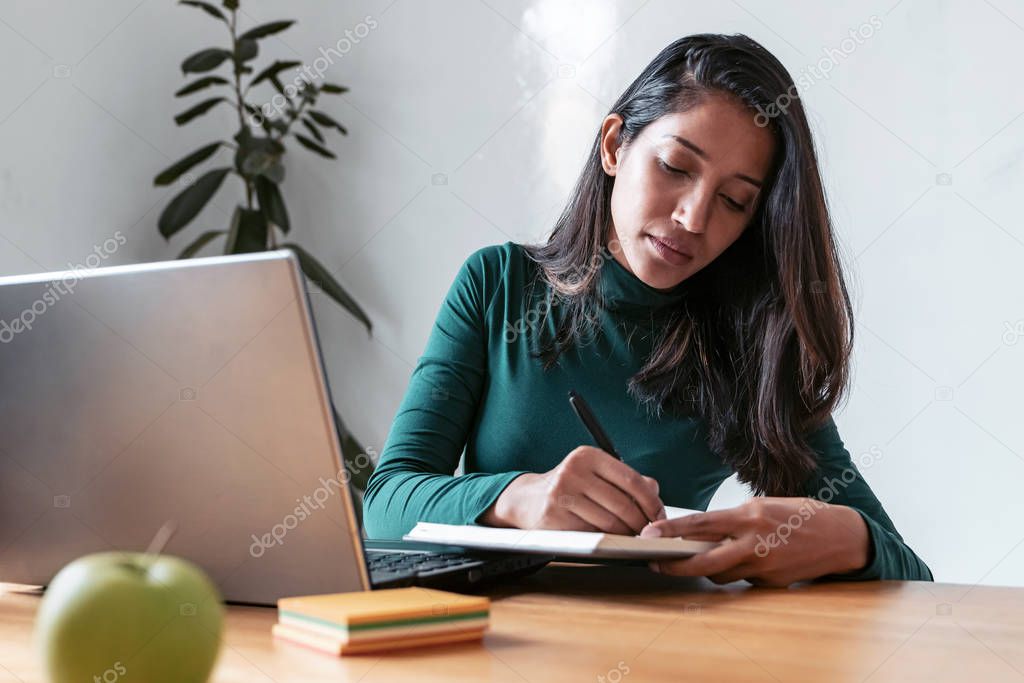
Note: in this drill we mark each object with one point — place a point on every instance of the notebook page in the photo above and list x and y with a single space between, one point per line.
506 538
673 512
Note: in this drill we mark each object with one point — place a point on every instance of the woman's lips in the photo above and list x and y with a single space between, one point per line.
673 256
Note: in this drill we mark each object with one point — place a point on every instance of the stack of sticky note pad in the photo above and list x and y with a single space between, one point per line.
372 621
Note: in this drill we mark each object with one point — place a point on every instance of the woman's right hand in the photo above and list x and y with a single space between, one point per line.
589 490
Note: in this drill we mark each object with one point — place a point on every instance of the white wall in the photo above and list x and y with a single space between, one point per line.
503 98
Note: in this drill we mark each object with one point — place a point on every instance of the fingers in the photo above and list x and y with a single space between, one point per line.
596 517
644 490
617 502
743 571
646 532
603 492
715 524
728 555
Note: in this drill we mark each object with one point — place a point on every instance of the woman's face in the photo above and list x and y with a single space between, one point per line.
685 188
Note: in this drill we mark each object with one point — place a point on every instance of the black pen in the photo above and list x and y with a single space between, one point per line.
589 421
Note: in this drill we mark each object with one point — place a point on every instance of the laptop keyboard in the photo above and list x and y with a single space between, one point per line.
445 568
383 563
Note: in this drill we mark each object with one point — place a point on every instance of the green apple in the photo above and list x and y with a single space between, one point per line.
122 617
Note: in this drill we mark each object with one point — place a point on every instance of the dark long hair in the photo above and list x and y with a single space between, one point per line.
759 348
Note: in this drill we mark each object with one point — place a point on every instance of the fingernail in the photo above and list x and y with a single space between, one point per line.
650 531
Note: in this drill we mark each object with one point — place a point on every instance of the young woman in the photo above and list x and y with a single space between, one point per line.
691 292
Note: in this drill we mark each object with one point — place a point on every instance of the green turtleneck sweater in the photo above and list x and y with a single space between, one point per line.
477 387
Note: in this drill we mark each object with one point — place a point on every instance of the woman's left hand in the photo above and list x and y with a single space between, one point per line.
769 541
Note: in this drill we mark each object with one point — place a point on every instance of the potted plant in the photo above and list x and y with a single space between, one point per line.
259 148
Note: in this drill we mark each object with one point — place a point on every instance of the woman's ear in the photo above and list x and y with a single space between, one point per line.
611 127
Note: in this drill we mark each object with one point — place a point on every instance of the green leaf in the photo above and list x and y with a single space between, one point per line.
279 125
272 203
248 232
206 7
333 89
204 239
202 83
273 70
231 5
245 50
249 142
350 451
278 85
257 155
257 161
173 172
313 130
325 120
275 173
269 144
190 202
201 108
205 60
260 162
266 30
309 144
244 135
326 282
257 113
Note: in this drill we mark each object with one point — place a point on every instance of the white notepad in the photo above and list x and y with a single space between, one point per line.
672 513
556 542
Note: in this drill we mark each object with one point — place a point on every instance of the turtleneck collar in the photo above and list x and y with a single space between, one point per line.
625 293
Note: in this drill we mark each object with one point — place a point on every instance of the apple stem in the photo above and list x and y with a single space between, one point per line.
162 537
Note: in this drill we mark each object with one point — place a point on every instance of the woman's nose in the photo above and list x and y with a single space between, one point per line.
691 212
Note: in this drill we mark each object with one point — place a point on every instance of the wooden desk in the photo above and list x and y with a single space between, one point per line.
594 623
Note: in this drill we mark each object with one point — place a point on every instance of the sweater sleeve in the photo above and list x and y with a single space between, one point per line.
838 481
413 480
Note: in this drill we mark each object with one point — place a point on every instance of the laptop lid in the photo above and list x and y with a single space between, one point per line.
188 390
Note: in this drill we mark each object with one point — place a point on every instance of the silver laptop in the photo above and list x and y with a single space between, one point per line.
188 391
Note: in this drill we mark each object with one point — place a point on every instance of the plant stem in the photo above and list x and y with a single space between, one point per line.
298 113
240 106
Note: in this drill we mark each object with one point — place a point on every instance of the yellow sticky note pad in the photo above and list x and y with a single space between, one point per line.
393 604
375 621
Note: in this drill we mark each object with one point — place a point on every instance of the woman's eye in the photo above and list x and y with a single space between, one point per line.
671 169
733 204
729 201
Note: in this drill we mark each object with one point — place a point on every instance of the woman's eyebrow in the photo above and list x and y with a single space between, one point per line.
689 145
704 155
